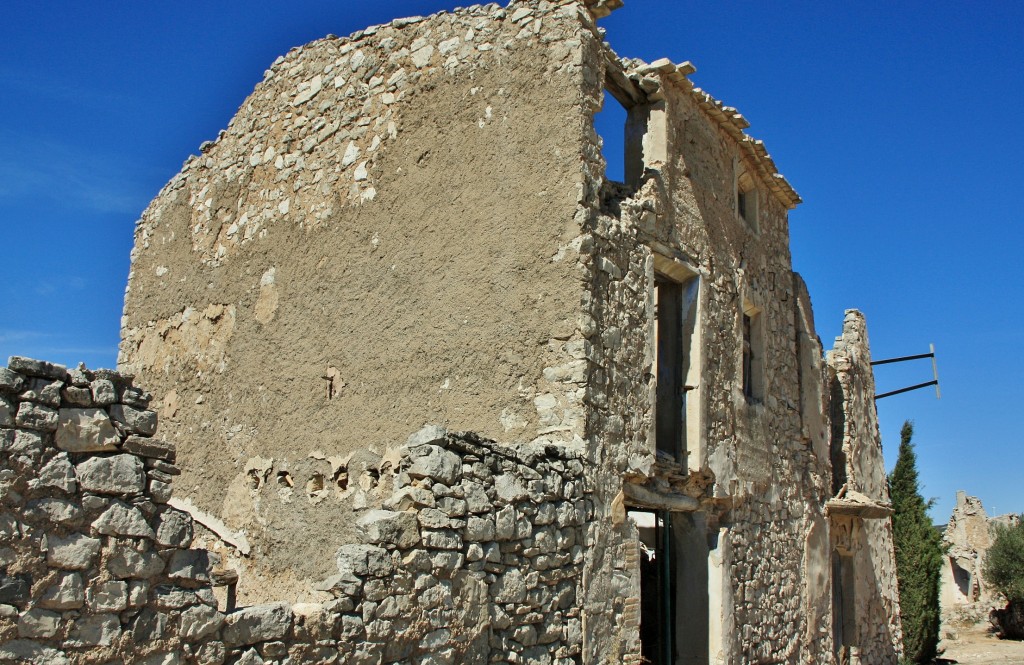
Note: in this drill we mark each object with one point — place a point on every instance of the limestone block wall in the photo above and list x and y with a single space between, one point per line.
384 235
468 551
95 567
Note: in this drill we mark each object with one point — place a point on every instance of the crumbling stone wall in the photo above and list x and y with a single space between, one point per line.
858 449
96 567
392 245
964 594
469 549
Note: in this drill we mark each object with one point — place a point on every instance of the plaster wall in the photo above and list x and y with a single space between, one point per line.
345 263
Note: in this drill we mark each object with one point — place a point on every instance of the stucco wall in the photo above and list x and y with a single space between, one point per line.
382 237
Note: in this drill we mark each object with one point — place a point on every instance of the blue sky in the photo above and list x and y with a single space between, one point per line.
894 121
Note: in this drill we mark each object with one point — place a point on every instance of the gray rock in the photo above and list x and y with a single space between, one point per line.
510 488
259 623
126 562
58 473
427 435
160 492
166 597
479 529
10 528
72 552
27 651
385 527
43 391
429 461
505 523
358 560
162 658
442 540
108 597
36 416
77 396
25 442
191 565
148 626
123 520
117 474
211 653
199 622
38 624
14 590
136 397
57 511
155 448
175 528
6 409
66 593
476 498
11 382
250 657
509 587
92 631
410 497
103 392
138 593
86 430
41 368
135 420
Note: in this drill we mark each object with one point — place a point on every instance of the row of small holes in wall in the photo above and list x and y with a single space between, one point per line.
316 483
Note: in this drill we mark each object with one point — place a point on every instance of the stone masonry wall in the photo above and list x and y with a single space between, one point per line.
468 551
95 566
869 540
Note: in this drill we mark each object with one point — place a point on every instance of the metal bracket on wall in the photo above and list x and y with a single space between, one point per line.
935 373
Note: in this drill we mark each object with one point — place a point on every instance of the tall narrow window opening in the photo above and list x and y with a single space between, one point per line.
670 413
657 586
610 125
752 364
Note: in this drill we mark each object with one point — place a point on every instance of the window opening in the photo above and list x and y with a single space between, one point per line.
670 411
610 125
747 201
753 354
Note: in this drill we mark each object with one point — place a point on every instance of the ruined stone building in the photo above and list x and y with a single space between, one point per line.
443 393
965 596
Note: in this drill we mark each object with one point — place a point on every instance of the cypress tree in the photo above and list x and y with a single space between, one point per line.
918 555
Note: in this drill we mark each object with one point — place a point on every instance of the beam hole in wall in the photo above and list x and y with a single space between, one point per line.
315 485
341 479
284 479
253 479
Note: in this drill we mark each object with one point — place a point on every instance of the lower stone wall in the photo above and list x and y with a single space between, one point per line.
470 552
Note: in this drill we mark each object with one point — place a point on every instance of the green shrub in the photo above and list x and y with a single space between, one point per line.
1004 562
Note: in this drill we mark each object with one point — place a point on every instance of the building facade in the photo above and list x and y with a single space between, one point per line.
627 444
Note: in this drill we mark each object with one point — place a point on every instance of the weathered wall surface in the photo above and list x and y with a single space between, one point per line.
346 263
857 446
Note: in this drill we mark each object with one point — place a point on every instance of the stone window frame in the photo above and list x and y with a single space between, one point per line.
752 367
746 197
693 279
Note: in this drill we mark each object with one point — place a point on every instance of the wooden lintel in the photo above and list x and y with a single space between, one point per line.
643 497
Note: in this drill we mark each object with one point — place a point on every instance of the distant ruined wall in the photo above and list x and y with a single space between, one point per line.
964 594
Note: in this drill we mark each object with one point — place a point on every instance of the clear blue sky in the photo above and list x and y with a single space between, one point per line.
896 122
